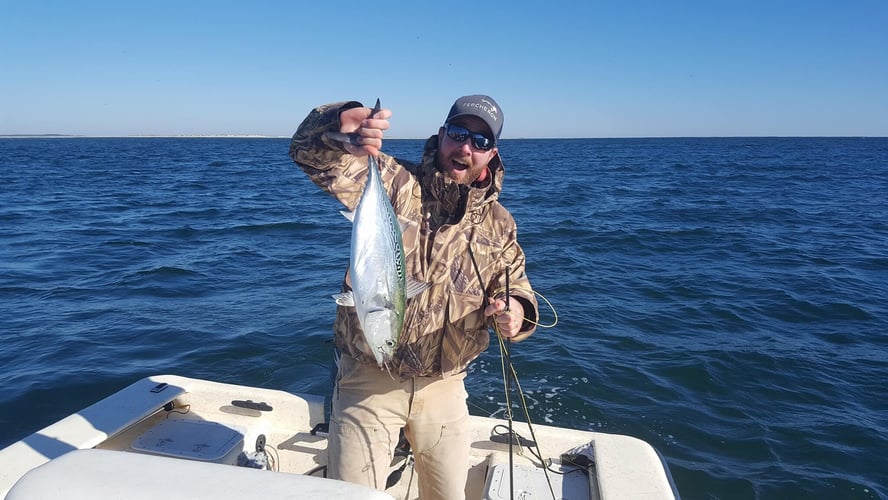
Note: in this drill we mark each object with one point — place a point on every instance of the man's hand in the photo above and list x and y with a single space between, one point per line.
365 128
508 322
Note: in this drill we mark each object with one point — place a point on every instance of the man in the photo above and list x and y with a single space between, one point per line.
459 240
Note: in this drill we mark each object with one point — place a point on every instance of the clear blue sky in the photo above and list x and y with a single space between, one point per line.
558 69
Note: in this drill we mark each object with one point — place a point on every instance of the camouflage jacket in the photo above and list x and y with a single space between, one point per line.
445 225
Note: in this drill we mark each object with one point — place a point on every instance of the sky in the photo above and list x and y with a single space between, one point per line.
579 68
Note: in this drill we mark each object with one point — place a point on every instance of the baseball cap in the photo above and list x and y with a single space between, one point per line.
482 106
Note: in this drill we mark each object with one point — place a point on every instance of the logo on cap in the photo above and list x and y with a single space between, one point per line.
486 106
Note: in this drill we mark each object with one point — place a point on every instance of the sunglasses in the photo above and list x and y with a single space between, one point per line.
460 134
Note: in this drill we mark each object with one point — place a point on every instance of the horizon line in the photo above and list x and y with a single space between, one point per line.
261 136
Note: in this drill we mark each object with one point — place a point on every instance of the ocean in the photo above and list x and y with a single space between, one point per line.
723 299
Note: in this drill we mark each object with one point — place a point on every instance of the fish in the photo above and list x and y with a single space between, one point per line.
379 282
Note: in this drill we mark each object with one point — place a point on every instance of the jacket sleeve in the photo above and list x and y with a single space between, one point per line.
519 284
520 289
325 161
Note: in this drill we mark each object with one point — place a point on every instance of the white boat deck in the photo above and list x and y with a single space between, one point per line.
146 418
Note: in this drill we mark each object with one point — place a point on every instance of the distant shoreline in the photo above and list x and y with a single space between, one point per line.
195 136
256 136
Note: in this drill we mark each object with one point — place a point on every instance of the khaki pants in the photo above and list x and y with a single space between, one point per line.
369 410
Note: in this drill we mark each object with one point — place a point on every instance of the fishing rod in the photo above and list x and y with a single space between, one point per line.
508 375
508 384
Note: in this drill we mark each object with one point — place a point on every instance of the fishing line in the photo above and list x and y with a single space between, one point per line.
509 375
538 294
506 359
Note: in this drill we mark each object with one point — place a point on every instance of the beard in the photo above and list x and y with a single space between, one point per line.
460 169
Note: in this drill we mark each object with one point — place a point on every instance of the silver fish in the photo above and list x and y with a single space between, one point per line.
380 287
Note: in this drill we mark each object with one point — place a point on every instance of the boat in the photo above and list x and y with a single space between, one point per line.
175 437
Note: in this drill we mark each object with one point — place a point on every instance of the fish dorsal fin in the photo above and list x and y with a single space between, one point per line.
414 288
345 299
348 215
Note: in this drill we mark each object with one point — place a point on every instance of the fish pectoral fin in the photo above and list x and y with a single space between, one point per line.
345 299
348 215
414 288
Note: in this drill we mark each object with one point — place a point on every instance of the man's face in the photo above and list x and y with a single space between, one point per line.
462 161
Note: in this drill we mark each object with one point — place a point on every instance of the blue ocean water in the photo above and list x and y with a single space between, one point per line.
722 299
